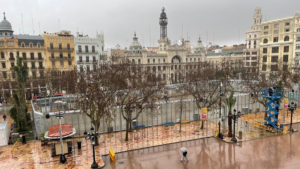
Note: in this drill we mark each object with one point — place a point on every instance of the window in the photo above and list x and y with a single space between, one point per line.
94 59
69 55
265 40
3 65
264 58
265 33
186 59
276 25
287 30
286 49
164 60
40 64
139 60
254 58
198 59
39 55
297 38
68 46
81 68
62 63
2 55
24 56
194 59
164 67
12 64
285 58
79 48
247 64
274 59
172 67
88 68
32 64
11 55
297 54
148 60
51 45
249 36
41 74
276 31
287 38
159 68
287 24
32 56
70 63
275 39
80 58
4 75
53 63
61 55
52 55
297 46
87 59
190 59
298 30
86 49
265 50
266 27
175 67
275 50
285 67
93 49
296 62
38 45
153 60
60 46
274 67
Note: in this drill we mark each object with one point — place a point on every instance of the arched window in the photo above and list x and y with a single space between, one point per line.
255 36
249 36
11 55
30 45
287 38
38 45
298 30
265 40
23 45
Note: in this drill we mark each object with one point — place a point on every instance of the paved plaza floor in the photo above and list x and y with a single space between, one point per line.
281 152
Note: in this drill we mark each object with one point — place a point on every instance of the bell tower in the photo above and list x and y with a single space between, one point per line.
257 18
163 22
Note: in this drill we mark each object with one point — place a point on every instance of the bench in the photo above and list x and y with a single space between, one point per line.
169 124
139 127
184 121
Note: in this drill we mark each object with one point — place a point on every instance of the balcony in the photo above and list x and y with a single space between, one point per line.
33 68
87 52
41 67
60 58
2 58
32 59
12 59
61 49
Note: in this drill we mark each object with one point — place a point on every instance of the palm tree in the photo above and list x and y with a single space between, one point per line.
19 99
230 102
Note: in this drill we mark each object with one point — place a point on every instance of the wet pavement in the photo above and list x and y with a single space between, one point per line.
278 152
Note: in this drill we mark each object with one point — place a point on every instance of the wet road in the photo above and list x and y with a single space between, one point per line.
269 153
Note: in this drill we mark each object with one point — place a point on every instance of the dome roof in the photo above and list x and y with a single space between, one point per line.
5 25
135 45
163 15
199 46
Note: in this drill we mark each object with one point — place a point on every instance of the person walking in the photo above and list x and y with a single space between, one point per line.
184 153
4 117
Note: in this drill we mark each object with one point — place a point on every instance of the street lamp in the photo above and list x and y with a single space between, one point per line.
292 108
94 165
235 116
166 99
62 156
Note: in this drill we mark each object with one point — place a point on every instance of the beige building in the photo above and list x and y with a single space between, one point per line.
251 53
280 44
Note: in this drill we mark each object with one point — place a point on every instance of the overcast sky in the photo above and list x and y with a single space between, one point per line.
226 21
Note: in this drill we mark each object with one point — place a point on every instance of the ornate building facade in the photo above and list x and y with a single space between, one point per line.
251 55
168 61
280 44
31 50
89 51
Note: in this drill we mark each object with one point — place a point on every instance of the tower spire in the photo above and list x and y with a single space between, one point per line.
4 15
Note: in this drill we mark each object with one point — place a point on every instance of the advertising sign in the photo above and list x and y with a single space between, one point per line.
285 103
204 113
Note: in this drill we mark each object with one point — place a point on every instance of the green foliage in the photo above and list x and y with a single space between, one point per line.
42 134
230 101
13 113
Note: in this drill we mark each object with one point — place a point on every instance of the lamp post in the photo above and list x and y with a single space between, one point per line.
292 108
235 116
62 156
94 165
166 99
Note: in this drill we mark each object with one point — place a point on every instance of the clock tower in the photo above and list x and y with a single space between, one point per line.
163 22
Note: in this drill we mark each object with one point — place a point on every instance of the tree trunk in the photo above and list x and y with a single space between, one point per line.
202 125
127 129
229 124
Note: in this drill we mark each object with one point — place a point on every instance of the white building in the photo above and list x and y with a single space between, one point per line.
89 51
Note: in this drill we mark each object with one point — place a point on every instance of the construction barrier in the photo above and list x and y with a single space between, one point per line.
112 155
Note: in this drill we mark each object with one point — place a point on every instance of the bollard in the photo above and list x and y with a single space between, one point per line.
240 135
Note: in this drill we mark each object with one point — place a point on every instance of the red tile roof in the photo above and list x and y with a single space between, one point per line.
66 129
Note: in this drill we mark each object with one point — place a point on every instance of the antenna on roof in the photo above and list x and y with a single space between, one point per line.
58 26
22 23
32 23
39 28
182 31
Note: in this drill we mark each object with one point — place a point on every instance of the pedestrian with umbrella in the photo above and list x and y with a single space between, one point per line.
184 153
4 117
